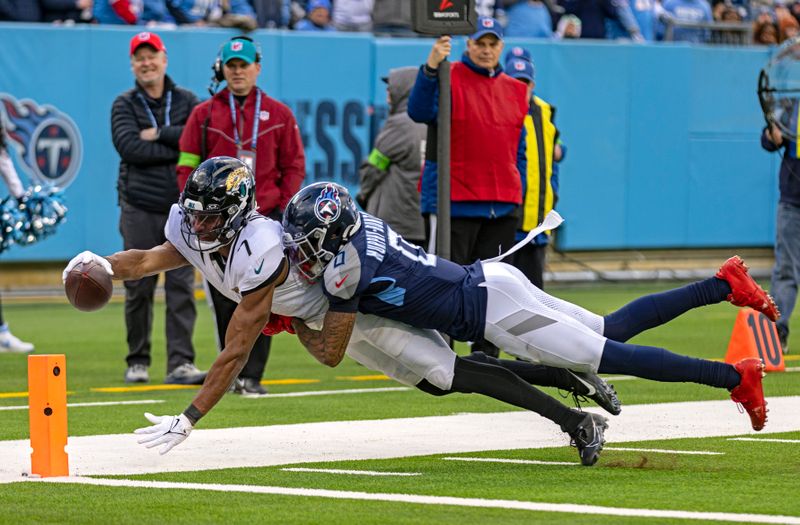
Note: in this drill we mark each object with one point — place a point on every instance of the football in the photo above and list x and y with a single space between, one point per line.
88 287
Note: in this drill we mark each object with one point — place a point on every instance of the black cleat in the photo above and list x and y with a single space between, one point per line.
595 388
588 438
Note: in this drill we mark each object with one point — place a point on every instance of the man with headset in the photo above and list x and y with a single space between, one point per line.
242 121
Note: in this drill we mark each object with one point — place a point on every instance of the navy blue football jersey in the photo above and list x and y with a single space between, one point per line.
380 273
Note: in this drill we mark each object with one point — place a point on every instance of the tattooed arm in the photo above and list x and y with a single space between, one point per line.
329 344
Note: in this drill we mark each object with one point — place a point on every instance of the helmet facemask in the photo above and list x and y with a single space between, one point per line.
217 230
307 254
317 222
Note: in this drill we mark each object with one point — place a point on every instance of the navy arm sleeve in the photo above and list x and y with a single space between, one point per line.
423 103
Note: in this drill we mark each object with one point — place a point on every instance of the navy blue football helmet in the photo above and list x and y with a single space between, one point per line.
317 222
217 198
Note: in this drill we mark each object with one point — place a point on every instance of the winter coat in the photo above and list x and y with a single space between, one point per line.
390 175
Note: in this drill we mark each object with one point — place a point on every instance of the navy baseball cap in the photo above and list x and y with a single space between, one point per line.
520 69
487 26
239 48
518 52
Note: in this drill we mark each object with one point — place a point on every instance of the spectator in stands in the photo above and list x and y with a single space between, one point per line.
794 8
146 123
788 27
786 272
544 151
725 11
67 11
20 11
118 11
271 14
765 32
392 18
593 16
638 13
529 19
353 15
318 17
389 177
8 341
695 11
487 146
569 26
220 13
242 121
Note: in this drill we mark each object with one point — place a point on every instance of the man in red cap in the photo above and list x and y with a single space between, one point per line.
146 125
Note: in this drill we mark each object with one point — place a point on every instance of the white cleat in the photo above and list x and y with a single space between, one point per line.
9 343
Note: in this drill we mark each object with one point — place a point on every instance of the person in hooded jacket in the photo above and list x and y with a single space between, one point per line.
390 175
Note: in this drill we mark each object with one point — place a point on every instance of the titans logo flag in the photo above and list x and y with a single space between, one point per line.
46 141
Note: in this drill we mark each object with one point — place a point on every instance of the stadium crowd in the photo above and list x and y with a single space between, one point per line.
765 22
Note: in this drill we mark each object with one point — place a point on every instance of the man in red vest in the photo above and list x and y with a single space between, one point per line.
487 145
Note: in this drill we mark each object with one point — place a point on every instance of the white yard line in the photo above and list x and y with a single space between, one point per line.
352 472
335 392
665 451
96 404
442 500
291 445
515 461
766 440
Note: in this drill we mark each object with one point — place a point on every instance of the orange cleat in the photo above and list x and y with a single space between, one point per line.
750 392
744 290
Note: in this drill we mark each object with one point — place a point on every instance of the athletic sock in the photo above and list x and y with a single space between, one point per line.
532 374
658 364
501 384
659 308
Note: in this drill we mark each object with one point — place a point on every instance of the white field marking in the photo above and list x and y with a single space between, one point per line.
293 445
353 472
335 392
437 500
793 369
665 451
95 404
515 461
619 378
766 440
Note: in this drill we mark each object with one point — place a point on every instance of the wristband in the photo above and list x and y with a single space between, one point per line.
193 414
428 70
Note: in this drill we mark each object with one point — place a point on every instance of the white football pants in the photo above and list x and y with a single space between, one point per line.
526 322
402 352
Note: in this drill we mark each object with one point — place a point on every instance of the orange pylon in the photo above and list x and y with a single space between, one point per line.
47 410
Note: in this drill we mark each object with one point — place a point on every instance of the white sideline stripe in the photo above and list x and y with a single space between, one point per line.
437 500
665 451
334 392
96 404
355 472
793 369
516 461
292 445
619 378
766 440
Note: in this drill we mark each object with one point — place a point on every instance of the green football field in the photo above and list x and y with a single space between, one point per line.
346 445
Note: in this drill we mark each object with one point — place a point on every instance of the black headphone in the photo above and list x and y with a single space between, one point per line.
216 67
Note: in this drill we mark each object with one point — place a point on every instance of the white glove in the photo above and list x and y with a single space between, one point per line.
166 430
86 257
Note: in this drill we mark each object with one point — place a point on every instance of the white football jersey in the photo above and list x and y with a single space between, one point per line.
255 257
